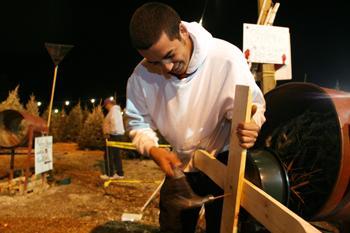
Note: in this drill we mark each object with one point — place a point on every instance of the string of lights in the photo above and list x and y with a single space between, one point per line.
66 104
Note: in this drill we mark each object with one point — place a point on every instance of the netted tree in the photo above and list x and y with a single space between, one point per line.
12 101
73 124
32 106
91 136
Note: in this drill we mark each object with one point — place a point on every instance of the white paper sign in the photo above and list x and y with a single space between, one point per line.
284 72
266 44
43 154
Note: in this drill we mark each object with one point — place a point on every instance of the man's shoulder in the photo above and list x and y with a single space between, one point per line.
225 51
145 70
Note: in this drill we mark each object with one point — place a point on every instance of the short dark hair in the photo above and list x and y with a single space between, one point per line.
149 21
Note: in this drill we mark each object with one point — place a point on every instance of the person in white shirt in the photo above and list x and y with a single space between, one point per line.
184 88
113 129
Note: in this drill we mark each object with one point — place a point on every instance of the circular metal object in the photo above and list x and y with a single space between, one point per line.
264 169
287 102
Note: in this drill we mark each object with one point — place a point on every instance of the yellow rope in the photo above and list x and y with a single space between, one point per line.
108 182
128 145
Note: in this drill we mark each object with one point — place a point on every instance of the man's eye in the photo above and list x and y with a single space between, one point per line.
170 56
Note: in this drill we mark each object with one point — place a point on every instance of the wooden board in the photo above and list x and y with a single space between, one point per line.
268 81
273 215
236 161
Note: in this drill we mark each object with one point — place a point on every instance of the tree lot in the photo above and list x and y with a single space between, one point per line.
79 125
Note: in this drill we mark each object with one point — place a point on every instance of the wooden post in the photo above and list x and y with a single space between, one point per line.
29 156
12 164
236 162
268 81
52 96
263 9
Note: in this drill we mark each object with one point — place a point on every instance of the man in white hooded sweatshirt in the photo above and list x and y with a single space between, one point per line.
184 88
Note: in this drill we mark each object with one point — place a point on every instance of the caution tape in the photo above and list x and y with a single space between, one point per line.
128 145
108 182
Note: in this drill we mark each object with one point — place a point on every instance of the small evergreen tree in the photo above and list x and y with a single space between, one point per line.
32 106
91 136
57 124
45 114
12 101
74 124
61 123
86 113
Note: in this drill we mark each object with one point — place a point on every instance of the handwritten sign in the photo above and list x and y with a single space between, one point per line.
43 154
266 44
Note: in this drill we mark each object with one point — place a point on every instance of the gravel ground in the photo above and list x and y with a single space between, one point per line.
84 205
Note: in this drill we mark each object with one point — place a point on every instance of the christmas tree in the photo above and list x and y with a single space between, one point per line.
12 101
74 124
32 106
91 136
86 113
57 124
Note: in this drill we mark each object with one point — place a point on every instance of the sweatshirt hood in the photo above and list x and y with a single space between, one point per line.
201 42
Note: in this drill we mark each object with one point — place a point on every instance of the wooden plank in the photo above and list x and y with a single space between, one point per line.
268 81
212 167
236 161
273 13
263 8
273 215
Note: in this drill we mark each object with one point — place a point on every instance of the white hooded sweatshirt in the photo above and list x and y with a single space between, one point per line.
195 112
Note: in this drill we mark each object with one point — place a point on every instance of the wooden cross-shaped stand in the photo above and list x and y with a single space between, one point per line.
264 208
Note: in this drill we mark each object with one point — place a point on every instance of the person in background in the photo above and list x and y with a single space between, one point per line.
113 129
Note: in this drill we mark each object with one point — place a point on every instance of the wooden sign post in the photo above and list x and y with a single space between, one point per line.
268 81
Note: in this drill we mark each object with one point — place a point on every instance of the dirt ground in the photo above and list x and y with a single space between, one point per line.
84 205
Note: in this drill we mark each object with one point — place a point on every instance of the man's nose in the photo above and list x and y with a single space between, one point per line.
168 66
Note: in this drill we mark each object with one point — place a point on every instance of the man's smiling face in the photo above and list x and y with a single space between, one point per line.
172 56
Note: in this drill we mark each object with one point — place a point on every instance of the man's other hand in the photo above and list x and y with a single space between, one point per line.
165 159
248 132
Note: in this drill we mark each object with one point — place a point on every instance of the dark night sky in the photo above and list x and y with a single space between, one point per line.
103 59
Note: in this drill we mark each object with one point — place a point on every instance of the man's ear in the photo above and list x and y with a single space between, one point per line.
183 30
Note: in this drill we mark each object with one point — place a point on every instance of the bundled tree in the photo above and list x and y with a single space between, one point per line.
32 106
73 124
91 136
12 101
